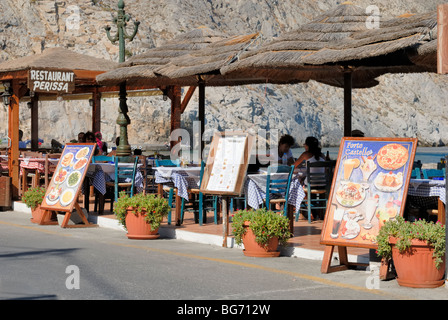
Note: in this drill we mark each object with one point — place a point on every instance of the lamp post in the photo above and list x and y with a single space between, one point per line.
123 149
7 94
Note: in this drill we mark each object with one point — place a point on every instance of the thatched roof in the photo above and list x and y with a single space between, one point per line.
140 68
198 54
208 61
58 58
335 42
339 38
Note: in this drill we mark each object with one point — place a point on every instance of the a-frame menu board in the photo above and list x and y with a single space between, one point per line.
227 163
65 185
369 187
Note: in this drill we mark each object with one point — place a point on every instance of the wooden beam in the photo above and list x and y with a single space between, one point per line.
10 75
187 98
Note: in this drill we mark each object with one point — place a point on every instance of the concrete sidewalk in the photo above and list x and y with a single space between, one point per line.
305 247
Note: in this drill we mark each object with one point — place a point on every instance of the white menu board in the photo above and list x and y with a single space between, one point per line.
228 159
227 163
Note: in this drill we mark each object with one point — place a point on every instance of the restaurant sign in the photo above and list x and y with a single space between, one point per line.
51 80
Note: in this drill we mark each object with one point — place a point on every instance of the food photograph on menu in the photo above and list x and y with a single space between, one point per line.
369 188
68 176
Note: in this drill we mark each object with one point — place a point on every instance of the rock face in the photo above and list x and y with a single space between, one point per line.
402 105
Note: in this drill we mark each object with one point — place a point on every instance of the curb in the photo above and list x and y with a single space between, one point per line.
210 239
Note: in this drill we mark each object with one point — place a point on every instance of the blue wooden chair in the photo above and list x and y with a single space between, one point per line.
278 187
205 202
97 159
433 173
124 178
319 176
168 191
167 163
416 173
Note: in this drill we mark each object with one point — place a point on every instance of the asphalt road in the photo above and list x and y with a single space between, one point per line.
49 262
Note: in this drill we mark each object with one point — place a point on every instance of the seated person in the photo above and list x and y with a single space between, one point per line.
81 137
101 145
23 144
357 133
284 150
90 138
312 153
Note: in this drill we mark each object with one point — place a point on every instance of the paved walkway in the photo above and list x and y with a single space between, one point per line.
304 244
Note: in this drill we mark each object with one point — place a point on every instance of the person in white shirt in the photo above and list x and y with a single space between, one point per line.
284 150
313 152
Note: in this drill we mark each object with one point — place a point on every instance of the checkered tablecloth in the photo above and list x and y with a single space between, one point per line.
98 178
255 190
37 163
427 188
181 178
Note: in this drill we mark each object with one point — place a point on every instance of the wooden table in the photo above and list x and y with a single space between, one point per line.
100 177
33 165
182 179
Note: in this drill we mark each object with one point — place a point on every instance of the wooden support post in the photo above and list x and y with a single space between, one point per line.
13 133
35 122
201 113
178 201
347 103
96 111
225 220
174 93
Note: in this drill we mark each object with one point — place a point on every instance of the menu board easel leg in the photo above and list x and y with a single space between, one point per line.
225 221
45 218
343 258
81 215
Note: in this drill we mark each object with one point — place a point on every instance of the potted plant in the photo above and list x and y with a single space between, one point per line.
260 231
417 250
141 214
33 198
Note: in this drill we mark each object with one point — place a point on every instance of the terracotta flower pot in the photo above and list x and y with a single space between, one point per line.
37 214
416 267
253 249
138 228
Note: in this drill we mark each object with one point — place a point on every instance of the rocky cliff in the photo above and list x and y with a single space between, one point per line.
402 105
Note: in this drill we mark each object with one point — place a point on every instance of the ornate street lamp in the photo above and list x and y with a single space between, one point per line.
7 93
123 149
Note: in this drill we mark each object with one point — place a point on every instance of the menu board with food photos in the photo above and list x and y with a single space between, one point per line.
68 176
369 187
